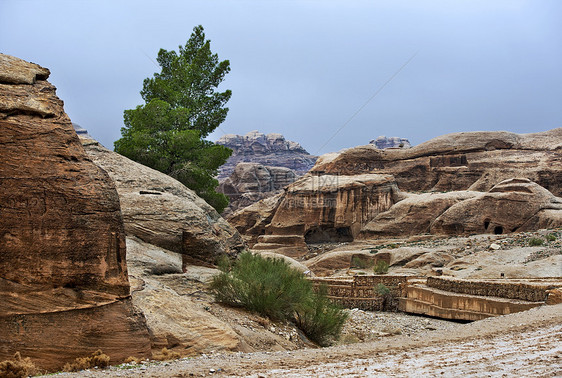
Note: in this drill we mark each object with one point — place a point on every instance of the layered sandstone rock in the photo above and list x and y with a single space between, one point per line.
251 182
269 150
318 209
63 279
459 161
161 211
511 205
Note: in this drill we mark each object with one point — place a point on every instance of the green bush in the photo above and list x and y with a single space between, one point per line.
272 288
319 318
536 242
381 267
551 237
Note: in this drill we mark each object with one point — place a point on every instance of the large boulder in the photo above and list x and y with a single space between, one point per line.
64 290
161 211
459 161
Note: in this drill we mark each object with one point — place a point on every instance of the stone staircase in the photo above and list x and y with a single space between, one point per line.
463 299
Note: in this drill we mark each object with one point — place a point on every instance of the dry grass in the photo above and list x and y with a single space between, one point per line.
17 367
166 355
97 359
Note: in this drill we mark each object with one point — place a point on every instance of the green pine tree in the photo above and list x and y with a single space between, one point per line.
182 107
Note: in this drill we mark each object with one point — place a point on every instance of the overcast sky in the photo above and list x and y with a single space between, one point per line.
304 68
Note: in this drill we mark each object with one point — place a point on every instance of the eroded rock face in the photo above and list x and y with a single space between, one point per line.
512 205
269 150
251 182
459 161
61 235
161 211
318 209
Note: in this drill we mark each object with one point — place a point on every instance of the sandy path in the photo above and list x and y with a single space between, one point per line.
522 344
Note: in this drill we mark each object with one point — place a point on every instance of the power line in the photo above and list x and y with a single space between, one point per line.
367 102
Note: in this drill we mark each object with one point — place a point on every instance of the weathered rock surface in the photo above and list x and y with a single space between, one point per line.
270 150
511 205
63 276
161 211
383 142
251 182
252 220
460 161
318 209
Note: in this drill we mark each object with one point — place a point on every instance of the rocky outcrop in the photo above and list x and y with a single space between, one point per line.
251 182
63 279
511 205
271 150
461 161
161 211
318 209
383 142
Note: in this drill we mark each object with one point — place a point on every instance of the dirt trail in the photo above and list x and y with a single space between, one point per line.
523 344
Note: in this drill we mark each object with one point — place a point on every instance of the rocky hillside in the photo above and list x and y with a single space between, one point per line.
268 150
260 166
458 184
64 289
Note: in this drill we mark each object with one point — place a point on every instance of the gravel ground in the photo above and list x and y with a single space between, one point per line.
523 344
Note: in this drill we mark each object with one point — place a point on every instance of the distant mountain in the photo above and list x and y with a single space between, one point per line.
266 149
383 142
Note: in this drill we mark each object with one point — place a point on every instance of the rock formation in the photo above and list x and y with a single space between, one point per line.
251 182
161 211
383 142
459 161
63 279
269 150
481 182
326 208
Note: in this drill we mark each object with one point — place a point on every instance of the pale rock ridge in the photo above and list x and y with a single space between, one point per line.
161 211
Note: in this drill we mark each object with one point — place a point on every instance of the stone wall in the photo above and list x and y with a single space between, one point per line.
360 291
527 290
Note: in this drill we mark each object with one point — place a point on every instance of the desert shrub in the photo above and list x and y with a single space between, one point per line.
551 237
381 267
132 360
320 319
267 286
536 242
18 367
166 354
271 287
97 359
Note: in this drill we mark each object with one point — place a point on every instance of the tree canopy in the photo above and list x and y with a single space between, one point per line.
182 107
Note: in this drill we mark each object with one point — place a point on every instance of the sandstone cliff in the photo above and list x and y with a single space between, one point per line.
63 275
459 161
491 182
